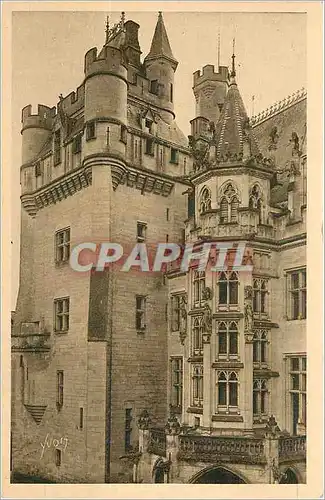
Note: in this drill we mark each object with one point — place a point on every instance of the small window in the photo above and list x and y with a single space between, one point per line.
81 418
38 169
61 307
124 133
62 245
141 231
196 422
154 87
107 137
140 315
90 131
176 382
59 389
149 147
167 214
128 429
57 147
58 457
76 145
148 124
171 96
174 156
297 295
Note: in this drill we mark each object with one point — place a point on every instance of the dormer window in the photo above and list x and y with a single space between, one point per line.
148 125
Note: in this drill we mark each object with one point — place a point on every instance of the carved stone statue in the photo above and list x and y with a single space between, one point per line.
274 137
248 317
207 318
183 318
295 143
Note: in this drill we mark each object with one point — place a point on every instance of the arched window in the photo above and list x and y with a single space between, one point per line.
260 392
260 292
227 340
227 386
256 202
228 285
198 287
229 203
260 343
205 200
197 337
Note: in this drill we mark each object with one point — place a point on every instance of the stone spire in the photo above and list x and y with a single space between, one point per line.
234 137
160 46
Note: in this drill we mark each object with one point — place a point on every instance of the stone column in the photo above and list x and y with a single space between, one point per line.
247 390
271 449
172 429
207 325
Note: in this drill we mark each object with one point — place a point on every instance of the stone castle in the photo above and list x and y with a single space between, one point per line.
160 376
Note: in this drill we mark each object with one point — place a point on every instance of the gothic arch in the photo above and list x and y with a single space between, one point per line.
224 186
293 476
232 474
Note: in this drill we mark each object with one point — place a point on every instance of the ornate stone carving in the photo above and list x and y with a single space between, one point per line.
207 293
295 144
183 321
248 291
274 137
207 319
248 317
272 428
144 420
172 426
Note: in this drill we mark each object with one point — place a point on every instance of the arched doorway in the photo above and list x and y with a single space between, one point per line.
217 475
159 475
289 477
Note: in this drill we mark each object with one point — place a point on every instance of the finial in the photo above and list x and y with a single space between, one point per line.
233 71
107 28
160 13
122 18
218 50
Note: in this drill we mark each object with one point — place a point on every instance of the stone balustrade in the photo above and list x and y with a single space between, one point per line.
293 447
212 448
157 442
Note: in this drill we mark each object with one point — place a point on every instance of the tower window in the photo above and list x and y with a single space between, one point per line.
124 134
140 313
59 389
57 147
58 457
171 96
174 156
141 231
61 309
149 147
90 131
76 145
154 87
62 245
81 418
38 169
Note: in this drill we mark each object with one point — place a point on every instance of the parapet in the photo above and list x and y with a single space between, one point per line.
42 119
109 59
209 73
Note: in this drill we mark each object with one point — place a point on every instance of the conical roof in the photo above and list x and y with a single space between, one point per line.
233 128
160 46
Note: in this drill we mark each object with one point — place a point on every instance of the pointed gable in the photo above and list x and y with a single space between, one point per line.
233 128
160 46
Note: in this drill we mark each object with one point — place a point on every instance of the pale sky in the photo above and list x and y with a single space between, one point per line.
48 57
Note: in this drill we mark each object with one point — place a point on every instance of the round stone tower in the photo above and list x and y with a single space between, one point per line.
36 130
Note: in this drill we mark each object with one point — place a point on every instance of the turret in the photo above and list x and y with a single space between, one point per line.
105 109
160 66
210 89
36 130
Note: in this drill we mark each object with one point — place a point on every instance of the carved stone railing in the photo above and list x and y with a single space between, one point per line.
292 448
278 106
31 338
212 448
157 442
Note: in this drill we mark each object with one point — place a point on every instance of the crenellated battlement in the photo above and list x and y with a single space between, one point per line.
209 73
110 59
297 96
42 119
